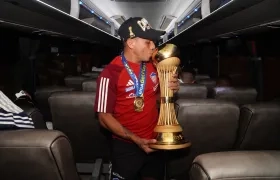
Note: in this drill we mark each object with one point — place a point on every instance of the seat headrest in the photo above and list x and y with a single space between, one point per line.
238 165
89 86
75 81
46 91
28 138
75 78
187 91
36 155
237 95
201 76
67 97
93 75
259 127
207 82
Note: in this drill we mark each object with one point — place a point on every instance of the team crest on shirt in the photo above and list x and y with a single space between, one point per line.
153 77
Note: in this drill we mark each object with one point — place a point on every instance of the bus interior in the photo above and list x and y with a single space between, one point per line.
56 49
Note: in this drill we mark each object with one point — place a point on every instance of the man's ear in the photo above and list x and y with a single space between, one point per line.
130 43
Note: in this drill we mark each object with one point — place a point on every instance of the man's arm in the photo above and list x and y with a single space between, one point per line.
105 102
110 123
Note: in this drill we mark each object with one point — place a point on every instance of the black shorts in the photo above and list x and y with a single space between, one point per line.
132 163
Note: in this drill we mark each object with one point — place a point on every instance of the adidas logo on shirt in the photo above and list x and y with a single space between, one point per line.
130 83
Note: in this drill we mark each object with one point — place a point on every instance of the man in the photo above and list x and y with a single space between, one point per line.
124 85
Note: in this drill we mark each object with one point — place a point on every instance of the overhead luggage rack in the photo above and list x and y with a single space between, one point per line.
40 18
235 18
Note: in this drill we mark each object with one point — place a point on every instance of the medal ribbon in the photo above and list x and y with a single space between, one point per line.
139 86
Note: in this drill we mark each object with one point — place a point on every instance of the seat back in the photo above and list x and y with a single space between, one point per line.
210 125
36 155
191 91
89 86
73 114
201 76
259 127
238 165
93 75
209 83
75 81
42 95
239 96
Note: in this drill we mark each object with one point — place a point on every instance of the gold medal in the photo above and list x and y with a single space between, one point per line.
139 104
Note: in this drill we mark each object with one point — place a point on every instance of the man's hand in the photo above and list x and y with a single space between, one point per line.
174 84
145 144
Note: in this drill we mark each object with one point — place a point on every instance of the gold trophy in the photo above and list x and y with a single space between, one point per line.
169 131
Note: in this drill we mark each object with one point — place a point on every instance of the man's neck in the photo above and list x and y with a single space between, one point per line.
129 56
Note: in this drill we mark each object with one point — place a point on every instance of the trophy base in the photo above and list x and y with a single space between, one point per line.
170 146
170 137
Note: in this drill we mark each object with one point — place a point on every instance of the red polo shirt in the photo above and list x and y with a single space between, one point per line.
116 93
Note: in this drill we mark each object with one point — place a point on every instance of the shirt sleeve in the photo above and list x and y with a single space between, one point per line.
106 91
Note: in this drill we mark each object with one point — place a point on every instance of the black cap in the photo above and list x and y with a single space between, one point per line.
138 27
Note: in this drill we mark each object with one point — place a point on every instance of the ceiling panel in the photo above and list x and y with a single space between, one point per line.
139 1
152 10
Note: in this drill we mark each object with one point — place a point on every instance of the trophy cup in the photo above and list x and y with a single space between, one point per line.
170 135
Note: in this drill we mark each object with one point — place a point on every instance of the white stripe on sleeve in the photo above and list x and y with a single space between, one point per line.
102 94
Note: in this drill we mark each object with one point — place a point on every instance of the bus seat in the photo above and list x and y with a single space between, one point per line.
209 83
210 125
75 81
89 86
73 114
259 127
239 96
41 97
36 155
201 76
190 91
93 75
237 165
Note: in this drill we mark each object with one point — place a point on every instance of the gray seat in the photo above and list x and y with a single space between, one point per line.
259 127
209 83
89 85
36 155
93 75
73 114
191 91
201 76
238 165
41 96
210 125
239 96
75 81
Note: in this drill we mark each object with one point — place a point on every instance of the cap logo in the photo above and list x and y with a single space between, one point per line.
143 23
131 34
